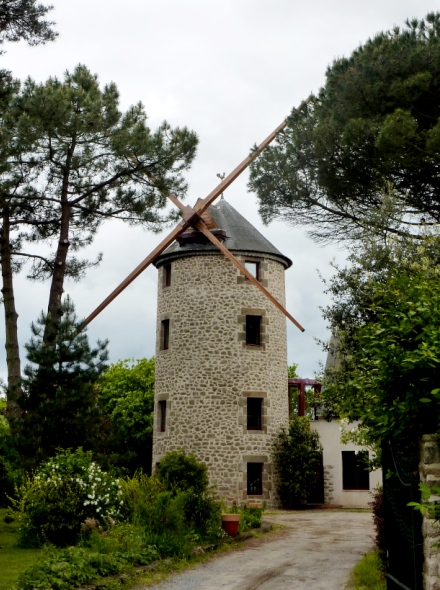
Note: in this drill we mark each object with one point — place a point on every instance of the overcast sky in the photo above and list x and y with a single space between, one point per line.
231 71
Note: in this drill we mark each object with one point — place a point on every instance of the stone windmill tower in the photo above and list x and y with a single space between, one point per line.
221 366
221 358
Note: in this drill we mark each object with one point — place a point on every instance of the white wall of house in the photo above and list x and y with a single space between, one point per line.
334 492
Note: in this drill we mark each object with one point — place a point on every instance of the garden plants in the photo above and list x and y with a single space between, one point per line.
65 491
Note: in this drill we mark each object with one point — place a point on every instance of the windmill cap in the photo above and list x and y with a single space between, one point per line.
241 237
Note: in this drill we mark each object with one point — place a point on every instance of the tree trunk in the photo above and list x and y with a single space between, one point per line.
14 393
57 284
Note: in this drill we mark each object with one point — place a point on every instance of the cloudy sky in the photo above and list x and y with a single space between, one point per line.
231 71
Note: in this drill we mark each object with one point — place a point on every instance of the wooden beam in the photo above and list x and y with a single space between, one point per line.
136 272
243 269
180 228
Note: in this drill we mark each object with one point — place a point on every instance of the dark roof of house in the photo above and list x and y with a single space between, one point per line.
241 236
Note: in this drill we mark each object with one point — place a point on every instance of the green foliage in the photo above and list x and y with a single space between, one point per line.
372 130
126 396
11 472
251 518
368 574
292 371
378 509
181 472
431 508
25 19
65 491
75 566
59 406
297 455
386 313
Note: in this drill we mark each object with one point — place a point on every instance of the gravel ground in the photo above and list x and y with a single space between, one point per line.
316 552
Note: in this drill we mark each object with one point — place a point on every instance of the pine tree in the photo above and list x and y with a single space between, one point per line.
370 137
60 407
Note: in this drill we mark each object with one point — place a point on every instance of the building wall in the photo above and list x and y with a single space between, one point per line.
208 371
334 493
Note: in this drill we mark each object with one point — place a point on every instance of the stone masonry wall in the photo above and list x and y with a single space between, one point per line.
430 474
208 371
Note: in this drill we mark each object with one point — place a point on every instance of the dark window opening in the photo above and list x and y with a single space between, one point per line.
165 335
355 474
255 479
254 413
162 415
167 275
253 268
253 330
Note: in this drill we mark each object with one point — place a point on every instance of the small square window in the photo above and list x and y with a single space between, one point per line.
254 413
253 268
165 335
253 330
255 479
167 275
355 474
162 415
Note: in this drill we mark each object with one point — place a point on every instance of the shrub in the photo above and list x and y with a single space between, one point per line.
105 554
251 518
297 455
138 493
11 473
179 471
378 508
65 491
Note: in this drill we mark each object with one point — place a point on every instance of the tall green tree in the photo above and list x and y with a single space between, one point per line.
297 455
60 402
386 313
372 131
72 161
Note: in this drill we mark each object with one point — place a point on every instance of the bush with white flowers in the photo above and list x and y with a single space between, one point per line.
65 491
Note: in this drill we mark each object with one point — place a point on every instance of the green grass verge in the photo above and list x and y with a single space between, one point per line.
13 560
368 574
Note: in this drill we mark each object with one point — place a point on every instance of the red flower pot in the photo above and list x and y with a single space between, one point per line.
230 524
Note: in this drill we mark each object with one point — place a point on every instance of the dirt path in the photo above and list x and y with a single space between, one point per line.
316 552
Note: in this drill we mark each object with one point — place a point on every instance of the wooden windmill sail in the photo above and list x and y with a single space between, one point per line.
197 218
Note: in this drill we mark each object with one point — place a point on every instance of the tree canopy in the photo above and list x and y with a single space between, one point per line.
386 314
25 20
71 159
126 398
373 131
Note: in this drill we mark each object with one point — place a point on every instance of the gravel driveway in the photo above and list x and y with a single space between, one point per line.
316 552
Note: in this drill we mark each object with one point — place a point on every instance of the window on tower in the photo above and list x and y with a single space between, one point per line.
253 330
254 413
167 275
162 415
254 479
253 268
165 335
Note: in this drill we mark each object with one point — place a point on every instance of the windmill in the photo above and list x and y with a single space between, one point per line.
194 217
221 345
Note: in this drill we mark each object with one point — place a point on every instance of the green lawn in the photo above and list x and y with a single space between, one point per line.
12 559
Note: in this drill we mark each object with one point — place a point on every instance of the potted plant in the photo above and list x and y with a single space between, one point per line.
231 520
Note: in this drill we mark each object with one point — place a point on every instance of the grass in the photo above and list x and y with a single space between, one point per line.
368 574
13 560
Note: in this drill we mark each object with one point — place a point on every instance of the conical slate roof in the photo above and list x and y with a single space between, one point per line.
241 236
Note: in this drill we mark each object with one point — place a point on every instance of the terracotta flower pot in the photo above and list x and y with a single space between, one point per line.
230 524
